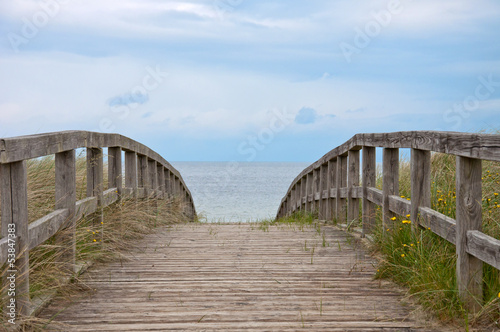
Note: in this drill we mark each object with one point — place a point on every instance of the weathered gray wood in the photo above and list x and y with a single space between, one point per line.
420 183
131 170
331 178
143 173
95 172
390 173
322 187
315 190
187 279
85 207
375 196
303 190
42 229
3 250
5 198
153 175
469 218
352 182
115 179
161 178
109 197
341 181
369 178
95 182
309 188
438 223
400 206
484 247
15 215
65 168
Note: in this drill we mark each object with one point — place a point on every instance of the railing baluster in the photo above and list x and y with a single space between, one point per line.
131 171
66 199
341 179
14 195
115 169
369 178
95 185
469 217
420 183
330 177
322 185
143 174
161 179
353 181
390 185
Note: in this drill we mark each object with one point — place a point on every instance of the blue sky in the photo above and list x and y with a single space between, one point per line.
248 80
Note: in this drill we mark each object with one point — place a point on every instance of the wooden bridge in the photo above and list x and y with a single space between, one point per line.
245 276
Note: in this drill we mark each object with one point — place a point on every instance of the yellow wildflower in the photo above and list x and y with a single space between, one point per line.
402 255
393 218
408 216
402 196
95 240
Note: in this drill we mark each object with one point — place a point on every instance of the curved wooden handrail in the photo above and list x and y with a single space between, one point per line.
331 187
146 174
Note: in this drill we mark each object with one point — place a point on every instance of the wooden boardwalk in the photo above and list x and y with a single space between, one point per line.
208 277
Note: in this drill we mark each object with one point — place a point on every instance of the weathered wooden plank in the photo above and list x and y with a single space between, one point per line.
15 178
5 198
3 250
130 172
439 223
309 188
143 173
420 183
469 218
375 196
322 186
85 207
161 178
369 178
399 205
353 182
236 277
484 247
42 229
390 178
153 175
109 197
115 179
65 169
341 181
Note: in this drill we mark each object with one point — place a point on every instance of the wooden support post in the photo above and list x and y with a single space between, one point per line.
341 176
66 199
390 170
315 190
161 180
330 181
115 169
14 200
333 175
369 178
309 189
153 175
288 205
353 181
469 218
143 174
299 195
95 185
420 183
322 186
131 171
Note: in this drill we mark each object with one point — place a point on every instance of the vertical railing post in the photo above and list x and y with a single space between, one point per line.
115 169
153 176
168 185
341 175
353 181
420 183
390 186
468 217
65 196
143 174
315 190
161 180
322 185
333 175
131 171
309 189
95 186
330 179
369 178
14 200
299 195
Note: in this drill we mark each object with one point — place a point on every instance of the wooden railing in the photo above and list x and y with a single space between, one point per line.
331 187
147 174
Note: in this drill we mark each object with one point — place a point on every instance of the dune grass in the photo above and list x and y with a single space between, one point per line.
124 223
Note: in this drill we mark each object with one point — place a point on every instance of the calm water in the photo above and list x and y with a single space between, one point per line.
230 192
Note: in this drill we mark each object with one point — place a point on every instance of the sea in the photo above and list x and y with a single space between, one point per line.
238 191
